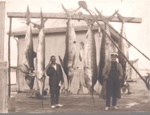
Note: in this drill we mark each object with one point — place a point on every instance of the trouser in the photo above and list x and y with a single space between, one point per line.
108 98
111 91
54 92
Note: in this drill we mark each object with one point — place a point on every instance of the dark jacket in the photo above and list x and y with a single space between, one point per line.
106 71
55 76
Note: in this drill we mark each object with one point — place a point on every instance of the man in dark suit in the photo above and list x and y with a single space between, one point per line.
55 74
112 73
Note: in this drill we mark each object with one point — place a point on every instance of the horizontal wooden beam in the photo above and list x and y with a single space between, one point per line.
78 16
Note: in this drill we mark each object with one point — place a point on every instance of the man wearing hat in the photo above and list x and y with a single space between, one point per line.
112 73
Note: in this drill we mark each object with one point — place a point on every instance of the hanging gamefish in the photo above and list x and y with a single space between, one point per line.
106 45
27 67
123 45
69 63
41 57
90 64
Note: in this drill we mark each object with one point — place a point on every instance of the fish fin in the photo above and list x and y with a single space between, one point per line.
34 54
62 64
133 61
46 67
63 67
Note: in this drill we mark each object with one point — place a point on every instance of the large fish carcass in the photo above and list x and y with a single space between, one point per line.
106 45
90 65
41 57
28 55
123 45
69 61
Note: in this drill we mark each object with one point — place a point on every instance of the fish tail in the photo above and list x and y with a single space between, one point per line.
70 13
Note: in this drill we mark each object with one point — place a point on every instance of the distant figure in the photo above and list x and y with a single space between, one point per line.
55 74
112 73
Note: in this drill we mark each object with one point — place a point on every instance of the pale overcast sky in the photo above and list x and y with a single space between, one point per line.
138 34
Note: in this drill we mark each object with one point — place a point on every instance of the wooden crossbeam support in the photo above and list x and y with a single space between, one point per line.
64 16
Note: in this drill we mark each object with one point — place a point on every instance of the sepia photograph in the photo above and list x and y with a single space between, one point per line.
75 56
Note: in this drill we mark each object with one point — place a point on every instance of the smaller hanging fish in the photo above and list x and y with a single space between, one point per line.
90 64
123 45
41 57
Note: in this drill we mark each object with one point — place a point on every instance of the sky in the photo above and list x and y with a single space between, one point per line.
136 33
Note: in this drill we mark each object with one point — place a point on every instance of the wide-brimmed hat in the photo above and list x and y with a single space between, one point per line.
114 54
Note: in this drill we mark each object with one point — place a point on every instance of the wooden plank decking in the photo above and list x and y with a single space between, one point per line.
138 101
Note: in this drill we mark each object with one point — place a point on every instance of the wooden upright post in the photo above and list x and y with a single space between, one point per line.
2 29
9 61
3 87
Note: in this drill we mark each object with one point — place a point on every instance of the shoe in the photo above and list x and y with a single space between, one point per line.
59 105
53 106
115 107
106 108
